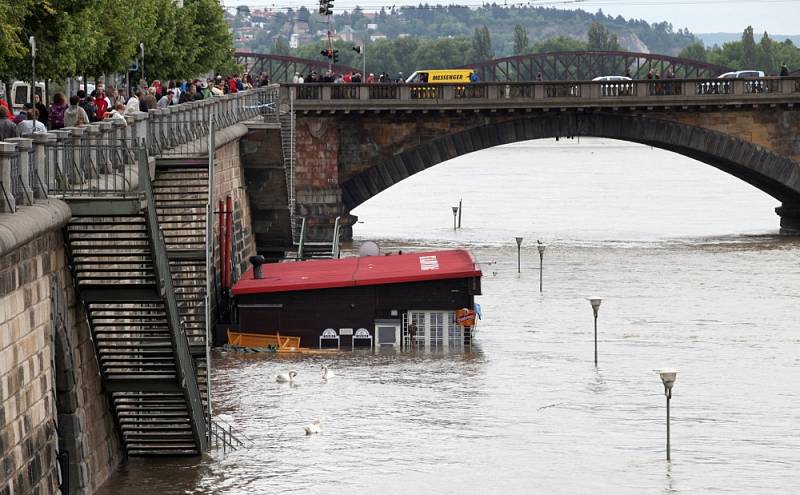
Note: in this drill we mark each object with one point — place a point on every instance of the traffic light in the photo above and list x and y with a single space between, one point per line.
335 56
325 7
324 53
357 49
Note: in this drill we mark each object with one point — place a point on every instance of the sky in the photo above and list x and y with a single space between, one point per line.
700 16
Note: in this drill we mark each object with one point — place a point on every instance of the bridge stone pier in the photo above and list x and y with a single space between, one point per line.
352 142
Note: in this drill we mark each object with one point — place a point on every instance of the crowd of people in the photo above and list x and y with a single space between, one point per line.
110 103
346 78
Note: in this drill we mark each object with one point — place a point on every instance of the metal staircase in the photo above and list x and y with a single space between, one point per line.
121 270
181 197
287 122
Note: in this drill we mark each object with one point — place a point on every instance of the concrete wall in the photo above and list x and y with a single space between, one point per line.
51 396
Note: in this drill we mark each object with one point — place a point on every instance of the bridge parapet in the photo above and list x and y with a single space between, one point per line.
97 160
550 94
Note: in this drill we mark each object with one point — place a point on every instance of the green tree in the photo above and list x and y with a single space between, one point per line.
601 39
520 39
748 59
695 51
482 44
765 55
559 44
280 46
13 47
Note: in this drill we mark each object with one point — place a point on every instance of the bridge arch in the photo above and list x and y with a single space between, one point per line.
774 174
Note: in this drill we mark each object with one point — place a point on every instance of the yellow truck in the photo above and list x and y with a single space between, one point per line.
441 76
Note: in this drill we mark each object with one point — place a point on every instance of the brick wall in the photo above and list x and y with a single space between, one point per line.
49 380
229 180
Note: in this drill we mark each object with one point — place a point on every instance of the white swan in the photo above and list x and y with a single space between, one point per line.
326 373
313 428
286 377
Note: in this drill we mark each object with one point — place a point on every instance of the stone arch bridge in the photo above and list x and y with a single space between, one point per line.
354 141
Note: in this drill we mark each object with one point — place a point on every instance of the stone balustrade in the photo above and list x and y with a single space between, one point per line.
495 95
99 158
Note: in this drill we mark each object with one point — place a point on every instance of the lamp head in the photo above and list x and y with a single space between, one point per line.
541 247
455 209
519 241
595 302
668 377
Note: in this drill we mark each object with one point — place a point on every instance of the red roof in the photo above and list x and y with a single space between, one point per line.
352 272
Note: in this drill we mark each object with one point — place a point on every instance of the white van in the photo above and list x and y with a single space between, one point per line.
742 74
21 94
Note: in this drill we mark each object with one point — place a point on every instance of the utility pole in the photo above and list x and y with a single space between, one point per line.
32 41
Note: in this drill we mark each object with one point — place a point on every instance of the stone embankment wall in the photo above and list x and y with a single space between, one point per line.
265 177
229 181
51 397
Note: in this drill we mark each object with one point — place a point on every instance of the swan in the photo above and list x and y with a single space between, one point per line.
326 373
286 377
314 427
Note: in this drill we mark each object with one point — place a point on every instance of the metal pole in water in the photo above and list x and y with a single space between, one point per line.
595 302
459 213
668 379
541 247
519 254
455 212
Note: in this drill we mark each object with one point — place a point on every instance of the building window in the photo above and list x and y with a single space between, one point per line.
437 330
455 338
418 329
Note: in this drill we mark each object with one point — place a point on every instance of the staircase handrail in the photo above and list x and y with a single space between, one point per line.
185 368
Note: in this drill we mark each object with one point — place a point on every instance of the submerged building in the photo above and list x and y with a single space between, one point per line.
425 300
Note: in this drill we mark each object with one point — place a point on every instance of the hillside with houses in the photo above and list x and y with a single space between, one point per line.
283 31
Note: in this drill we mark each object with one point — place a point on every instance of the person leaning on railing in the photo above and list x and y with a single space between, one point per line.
7 127
30 125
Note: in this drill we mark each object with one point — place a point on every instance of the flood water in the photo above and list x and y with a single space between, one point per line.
692 275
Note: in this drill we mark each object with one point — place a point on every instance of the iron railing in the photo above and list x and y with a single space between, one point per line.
221 434
683 91
76 168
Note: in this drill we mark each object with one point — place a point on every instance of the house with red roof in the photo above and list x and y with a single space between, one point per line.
411 300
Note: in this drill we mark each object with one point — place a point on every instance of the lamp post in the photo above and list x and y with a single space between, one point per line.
459 213
668 378
32 42
519 249
541 247
141 46
455 213
595 302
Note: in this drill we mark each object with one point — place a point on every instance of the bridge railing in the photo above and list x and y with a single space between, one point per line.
97 160
550 91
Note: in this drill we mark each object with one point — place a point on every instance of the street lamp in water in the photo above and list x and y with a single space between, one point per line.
519 255
595 302
541 247
455 214
668 378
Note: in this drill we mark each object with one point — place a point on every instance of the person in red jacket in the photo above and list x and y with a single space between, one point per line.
4 104
101 103
232 85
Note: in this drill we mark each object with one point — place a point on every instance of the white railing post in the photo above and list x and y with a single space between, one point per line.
7 152
92 139
40 142
24 146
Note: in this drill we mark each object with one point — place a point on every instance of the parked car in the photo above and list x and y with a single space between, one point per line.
749 86
615 85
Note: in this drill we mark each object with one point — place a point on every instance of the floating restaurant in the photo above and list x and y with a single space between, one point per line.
414 300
